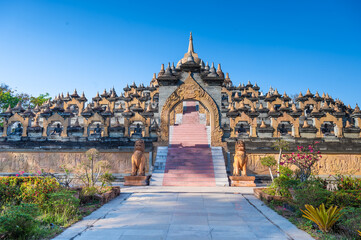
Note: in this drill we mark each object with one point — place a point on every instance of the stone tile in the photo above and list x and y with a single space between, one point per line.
96 234
194 220
188 227
183 216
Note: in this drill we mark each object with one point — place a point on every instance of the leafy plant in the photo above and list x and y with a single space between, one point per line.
107 179
311 192
350 222
269 161
91 168
280 145
282 184
61 207
304 159
348 182
285 171
27 189
18 222
345 198
325 219
64 180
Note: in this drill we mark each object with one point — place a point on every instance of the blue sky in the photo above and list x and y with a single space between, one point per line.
58 45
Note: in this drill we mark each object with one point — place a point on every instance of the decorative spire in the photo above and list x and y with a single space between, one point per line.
219 71
190 46
263 124
161 72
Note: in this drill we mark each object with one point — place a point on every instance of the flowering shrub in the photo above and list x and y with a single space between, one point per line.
348 183
26 189
304 159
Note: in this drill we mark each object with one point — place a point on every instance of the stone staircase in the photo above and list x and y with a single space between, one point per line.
159 167
189 160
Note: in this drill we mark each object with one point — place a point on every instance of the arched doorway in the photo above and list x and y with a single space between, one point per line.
191 91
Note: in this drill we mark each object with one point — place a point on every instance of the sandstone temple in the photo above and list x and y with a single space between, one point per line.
190 115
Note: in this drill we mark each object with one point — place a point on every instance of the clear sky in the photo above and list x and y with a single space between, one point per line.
55 46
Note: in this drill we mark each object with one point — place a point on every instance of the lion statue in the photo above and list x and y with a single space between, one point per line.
138 159
240 159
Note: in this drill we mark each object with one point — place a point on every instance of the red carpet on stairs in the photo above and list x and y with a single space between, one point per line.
189 160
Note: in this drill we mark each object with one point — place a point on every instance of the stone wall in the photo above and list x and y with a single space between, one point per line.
343 156
32 161
329 164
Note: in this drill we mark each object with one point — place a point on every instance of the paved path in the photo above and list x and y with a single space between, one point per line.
186 216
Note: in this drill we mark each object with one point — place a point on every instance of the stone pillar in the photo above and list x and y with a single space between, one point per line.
150 162
126 126
64 133
296 128
254 128
45 127
25 128
147 127
232 124
85 131
228 162
5 130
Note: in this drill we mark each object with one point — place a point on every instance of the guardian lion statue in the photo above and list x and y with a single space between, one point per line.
240 159
138 159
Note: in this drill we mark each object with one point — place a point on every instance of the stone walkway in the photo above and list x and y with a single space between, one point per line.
183 215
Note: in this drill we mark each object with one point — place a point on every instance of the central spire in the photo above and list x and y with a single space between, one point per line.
190 46
190 52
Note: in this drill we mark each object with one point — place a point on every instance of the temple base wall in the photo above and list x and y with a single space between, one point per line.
33 161
330 164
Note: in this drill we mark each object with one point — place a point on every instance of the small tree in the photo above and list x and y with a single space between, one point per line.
304 159
269 161
91 168
280 145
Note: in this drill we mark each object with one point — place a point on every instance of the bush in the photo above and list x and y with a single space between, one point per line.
282 184
107 179
345 198
61 207
348 183
350 222
26 189
286 172
311 192
18 222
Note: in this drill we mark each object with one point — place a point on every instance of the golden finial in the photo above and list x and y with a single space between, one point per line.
263 125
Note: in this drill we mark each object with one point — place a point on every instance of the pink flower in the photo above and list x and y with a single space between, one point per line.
17 175
281 163
39 172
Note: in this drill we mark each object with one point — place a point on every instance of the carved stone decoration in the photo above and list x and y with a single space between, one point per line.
191 90
240 159
138 159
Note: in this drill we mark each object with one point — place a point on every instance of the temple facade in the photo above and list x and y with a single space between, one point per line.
113 120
